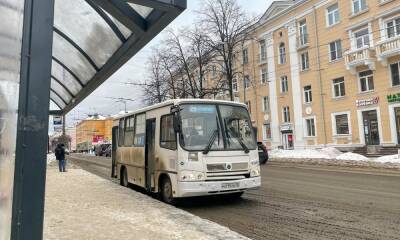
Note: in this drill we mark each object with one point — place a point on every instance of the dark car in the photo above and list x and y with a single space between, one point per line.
103 150
262 153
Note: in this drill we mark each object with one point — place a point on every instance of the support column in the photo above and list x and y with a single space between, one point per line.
33 114
296 86
273 98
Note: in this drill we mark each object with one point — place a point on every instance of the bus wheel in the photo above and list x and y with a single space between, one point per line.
124 178
166 191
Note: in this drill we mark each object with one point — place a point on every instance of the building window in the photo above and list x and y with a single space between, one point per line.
284 84
286 114
266 131
395 73
140 126
264 76
265 104
342 124
246 81
335 50
235 86
303 32
214 71
393 28
359 5
338 87
362 38
248 104
282 54
167 132
366 81
263 51
245 56
332 14
305 61
307 94
310 127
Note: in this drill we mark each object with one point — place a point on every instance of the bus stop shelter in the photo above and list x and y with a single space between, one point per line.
59 51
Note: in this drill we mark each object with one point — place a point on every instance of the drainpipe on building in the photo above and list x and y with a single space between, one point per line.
319 77
254 77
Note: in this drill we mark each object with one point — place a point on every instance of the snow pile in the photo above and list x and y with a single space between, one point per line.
349 156
325 153
389 159
51 158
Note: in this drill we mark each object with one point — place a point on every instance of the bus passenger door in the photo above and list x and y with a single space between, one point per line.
114 152
150 151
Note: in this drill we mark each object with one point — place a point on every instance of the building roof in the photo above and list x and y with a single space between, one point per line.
93 38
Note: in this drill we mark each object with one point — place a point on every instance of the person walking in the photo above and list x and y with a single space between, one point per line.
60 156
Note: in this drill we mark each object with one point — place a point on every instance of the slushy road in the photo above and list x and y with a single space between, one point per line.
300 201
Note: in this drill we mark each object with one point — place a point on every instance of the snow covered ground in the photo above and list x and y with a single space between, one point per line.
50 158
329 153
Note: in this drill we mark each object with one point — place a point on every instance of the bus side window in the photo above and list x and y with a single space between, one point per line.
140 127
167 133
129 126
121 132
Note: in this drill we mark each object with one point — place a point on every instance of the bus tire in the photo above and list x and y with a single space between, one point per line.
124 177
166 191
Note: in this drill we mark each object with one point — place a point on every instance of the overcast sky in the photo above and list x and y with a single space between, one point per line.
135 69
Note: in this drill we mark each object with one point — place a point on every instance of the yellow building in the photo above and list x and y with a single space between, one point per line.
324 73
95 129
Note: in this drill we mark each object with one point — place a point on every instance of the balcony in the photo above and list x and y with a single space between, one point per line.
387 48
302 41
359 57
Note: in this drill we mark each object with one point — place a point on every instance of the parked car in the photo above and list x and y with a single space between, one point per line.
102 150
262 153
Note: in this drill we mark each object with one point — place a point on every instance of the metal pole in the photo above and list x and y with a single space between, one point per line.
33 114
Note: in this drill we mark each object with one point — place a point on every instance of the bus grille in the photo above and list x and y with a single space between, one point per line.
225 176
226 167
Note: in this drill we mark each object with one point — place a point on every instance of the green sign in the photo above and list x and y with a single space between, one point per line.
393 98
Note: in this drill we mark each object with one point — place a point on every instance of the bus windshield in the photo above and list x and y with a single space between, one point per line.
201 127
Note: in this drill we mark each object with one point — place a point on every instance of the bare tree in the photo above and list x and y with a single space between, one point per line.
155 88
225 23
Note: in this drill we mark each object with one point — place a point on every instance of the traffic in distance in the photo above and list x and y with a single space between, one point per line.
188 147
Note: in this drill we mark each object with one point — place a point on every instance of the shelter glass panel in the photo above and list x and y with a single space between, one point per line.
60 90
141 10
65 77
57 100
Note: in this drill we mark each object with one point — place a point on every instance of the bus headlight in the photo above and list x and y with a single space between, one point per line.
194 157
255 172
191 176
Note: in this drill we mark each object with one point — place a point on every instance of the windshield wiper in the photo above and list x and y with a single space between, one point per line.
246 149
211 141
230 134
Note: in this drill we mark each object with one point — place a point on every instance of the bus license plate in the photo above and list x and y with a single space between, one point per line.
229 185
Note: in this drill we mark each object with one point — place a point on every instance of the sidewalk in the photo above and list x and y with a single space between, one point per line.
80 205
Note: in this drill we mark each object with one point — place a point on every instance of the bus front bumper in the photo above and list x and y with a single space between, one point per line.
191 189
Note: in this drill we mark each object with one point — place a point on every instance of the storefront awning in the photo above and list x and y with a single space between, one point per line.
93 38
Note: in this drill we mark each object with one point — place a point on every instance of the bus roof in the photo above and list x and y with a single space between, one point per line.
177 102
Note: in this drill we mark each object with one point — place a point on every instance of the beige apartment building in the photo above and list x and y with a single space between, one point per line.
324 73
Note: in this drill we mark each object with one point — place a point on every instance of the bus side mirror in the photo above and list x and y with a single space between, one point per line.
177 125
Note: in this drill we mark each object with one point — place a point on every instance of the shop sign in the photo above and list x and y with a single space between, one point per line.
98 138
367 102
57 120
393 98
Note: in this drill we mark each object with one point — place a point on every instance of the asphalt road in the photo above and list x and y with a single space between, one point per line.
300 201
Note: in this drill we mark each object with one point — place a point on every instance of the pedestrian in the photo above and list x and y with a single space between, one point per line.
60 156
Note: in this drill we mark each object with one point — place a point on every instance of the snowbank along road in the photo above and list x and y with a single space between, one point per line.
300 201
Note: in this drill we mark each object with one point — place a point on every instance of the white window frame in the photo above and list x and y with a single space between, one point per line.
391 74
282 53
392 20
235 85
307 94
366 83
305 61
265 104
335 13
360 6
263 50
246 82
245 56
336 50
303 32
334 129
264 132
333 88
284 79
284 112
314 118
264 75
368 35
